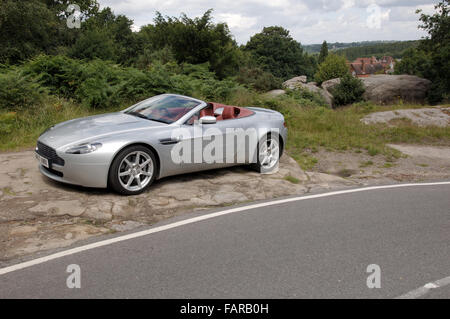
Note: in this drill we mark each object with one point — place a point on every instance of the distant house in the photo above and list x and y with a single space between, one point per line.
364 67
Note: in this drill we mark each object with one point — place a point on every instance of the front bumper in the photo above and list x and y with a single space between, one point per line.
84 173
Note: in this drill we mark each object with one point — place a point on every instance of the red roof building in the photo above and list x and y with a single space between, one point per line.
364 67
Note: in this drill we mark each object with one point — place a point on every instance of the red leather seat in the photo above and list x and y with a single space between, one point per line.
208 111
228 112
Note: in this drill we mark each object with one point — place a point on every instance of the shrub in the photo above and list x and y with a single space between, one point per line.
18 92
257 79
7 121
60 74
305 95
148 57
333 67
95 93
349 91
101 84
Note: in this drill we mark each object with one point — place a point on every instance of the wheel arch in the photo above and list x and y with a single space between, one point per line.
280 139
158 160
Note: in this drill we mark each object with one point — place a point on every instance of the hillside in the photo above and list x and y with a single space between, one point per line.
315 48
355 50
394 49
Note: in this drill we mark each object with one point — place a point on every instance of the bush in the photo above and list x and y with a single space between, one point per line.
7 121
333 67
349 91
257 79
18 92
305 96
95 93
102 84
60 74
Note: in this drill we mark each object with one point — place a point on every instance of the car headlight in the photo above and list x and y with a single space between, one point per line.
84 148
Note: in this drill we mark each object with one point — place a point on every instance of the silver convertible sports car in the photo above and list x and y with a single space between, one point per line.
162 136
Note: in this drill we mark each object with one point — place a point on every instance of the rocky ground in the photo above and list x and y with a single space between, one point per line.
37 214
421 117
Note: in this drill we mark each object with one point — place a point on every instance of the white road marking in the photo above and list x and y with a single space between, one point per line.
198 219
419 292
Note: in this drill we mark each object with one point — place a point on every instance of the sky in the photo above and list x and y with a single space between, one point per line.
309 21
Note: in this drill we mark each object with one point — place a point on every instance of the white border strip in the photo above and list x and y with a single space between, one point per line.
195 220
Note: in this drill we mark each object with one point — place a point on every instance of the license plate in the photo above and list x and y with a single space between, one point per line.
42 160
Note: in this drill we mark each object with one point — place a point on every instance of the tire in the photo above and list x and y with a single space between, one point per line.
275 150
137 163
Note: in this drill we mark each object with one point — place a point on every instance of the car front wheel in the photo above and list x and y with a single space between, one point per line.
133 170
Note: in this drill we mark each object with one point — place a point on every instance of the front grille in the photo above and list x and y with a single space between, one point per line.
49 153
52 171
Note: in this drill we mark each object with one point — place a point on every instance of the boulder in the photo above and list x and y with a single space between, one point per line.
295 82
327 88
390 88
330 84
275 93
299 82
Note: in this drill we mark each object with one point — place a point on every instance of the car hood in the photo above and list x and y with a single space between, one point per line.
88 129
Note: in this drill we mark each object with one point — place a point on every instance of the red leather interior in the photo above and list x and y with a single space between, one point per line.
208 111
229 112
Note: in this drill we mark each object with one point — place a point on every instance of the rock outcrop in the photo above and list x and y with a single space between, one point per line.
300 83
294 83
390 88
381 89
275 93
420 117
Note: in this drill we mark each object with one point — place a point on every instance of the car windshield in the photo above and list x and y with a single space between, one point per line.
163 108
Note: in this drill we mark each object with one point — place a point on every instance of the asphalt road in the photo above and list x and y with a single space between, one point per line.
315 248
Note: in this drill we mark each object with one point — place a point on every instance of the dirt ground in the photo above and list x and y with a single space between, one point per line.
37 214
417 164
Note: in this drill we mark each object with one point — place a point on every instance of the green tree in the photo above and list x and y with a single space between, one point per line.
323 52
27 28
333 67
93 44
194 41
349 91
106 36
278 53
88 7
416 62
432 58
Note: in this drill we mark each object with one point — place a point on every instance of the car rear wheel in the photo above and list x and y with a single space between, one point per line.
133 170
269 152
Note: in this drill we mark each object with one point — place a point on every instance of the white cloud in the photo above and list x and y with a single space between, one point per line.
236 21
309 21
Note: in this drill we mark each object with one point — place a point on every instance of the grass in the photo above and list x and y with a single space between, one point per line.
311 126
292 179
341 130
366 164
8 191
28 125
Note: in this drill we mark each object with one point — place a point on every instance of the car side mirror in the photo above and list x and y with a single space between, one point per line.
208 120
